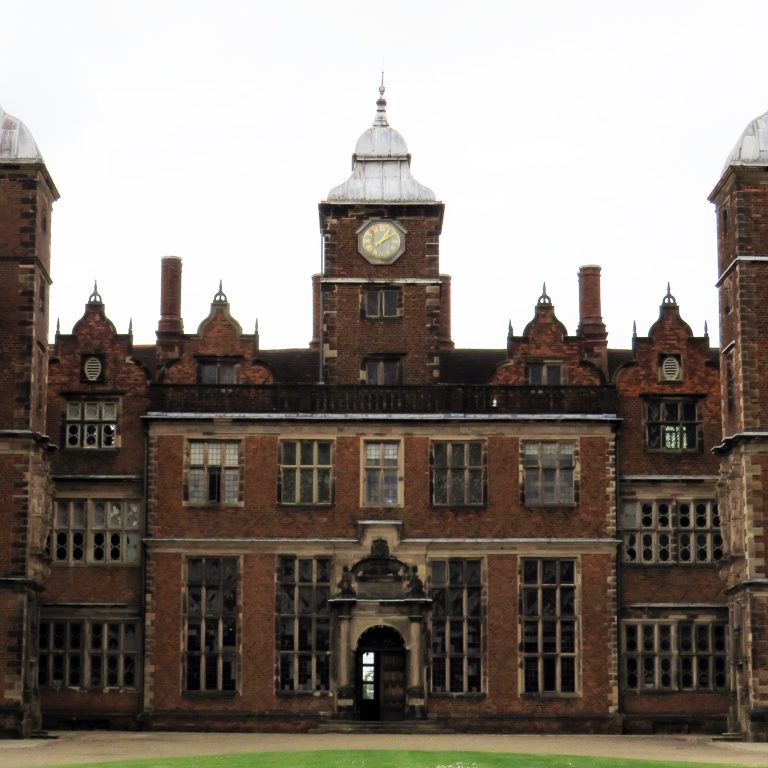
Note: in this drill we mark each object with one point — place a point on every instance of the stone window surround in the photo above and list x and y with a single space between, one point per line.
673 645
670 417
564 616
86 531
211 483
304 624
655 530
91 423
117 657
458 635
567 490
303 465
381 302
470 471
211 609
384 471
545 372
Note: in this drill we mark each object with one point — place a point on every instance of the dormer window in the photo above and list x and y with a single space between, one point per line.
217 371
547 373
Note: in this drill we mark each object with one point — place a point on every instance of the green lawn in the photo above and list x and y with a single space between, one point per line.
390 759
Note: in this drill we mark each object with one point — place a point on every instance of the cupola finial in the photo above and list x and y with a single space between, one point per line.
544 300
381 106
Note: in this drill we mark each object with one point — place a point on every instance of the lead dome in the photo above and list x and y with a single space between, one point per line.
381 166
16 140
752 146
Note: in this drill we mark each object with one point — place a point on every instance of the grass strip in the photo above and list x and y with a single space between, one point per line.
390 759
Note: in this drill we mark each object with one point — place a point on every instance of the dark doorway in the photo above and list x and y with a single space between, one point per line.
380 675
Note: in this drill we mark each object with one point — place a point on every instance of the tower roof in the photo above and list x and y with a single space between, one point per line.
752 146
381 166
16 142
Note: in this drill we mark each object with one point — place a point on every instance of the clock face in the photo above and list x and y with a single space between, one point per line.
381 241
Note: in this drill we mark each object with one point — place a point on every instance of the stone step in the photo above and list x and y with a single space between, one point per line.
392 726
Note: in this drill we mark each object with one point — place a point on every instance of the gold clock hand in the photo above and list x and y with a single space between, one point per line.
386 237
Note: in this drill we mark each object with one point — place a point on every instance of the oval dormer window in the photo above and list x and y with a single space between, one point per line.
92 368
671 370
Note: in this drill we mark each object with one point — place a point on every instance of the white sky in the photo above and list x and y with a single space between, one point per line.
557 133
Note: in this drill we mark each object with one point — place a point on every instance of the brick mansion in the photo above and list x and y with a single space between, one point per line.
551 536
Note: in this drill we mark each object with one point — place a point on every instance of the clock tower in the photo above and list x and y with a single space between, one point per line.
381 306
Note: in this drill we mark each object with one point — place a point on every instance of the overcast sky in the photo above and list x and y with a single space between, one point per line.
557 134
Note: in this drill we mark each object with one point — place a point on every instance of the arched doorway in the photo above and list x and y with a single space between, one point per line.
380 674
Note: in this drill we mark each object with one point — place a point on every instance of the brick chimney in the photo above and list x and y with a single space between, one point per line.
171 326
444 331
591 330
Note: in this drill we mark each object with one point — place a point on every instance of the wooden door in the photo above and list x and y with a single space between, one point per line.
392 685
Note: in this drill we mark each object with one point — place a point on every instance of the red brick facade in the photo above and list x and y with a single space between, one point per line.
381 526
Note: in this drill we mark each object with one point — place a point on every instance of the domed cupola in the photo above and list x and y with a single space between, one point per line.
16 142
381 167
752 146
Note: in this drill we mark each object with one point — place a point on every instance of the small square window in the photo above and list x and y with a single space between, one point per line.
548 373
382 302
306 472
217 371
383 371
91 424
214 473
672 424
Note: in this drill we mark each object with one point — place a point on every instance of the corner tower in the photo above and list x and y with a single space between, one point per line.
27 194
381 306
741 201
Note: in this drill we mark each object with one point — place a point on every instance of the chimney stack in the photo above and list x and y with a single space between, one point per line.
170 296
171 326
444 330
591 328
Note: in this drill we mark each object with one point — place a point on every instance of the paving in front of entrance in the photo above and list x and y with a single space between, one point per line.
100 746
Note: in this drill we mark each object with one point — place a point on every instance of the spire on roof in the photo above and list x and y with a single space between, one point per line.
220 297
544 300
381 106
669 300
95 297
